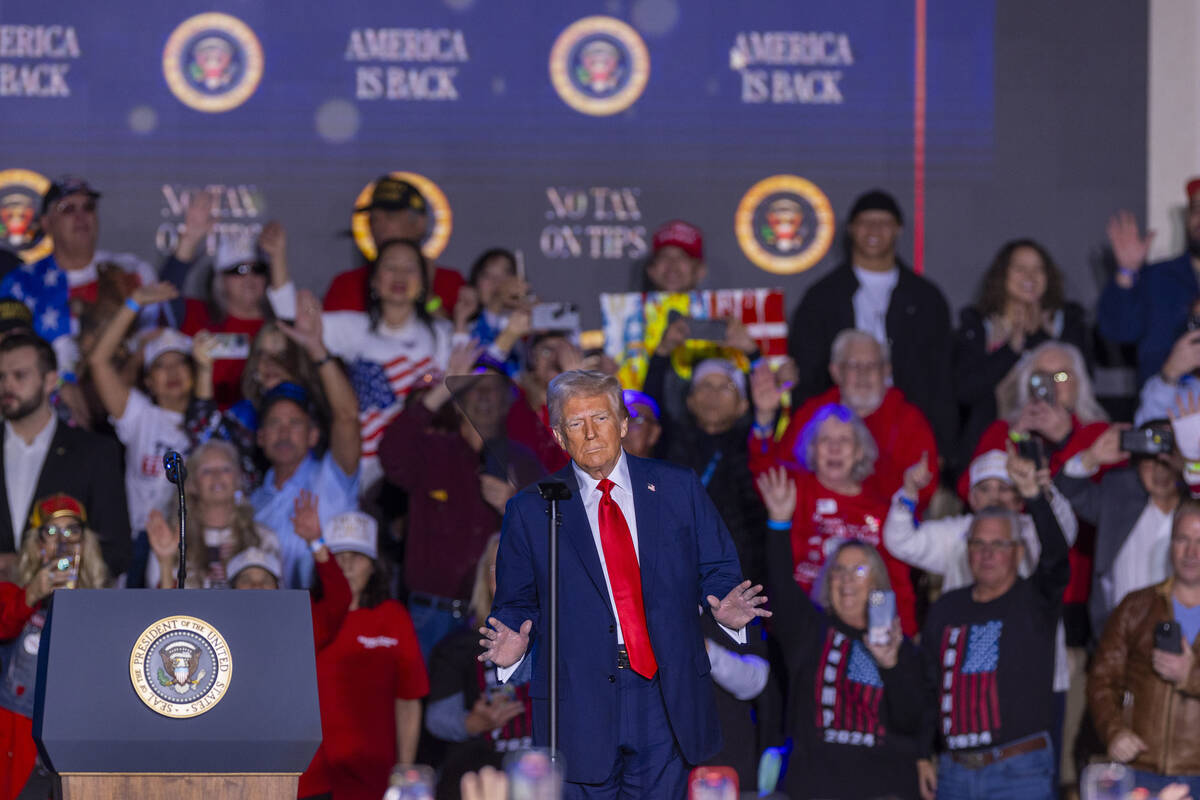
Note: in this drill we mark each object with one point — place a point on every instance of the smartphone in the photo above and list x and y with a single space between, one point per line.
1106 782
230 346
533 775
1041 387
1168 637
410 782
555 317
881 611
1147 441
1029 447
713 783
705 330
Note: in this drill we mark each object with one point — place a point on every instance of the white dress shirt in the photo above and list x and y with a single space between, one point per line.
622 494
1143 558
22 468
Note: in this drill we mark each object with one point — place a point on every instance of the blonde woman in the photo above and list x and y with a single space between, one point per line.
58 551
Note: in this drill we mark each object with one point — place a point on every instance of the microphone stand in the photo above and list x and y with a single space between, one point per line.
177 474
553 492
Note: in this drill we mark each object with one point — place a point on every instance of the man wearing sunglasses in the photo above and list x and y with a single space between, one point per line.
71 273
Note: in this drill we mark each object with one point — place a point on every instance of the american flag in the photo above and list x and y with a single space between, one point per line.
381 389
849 688
970 700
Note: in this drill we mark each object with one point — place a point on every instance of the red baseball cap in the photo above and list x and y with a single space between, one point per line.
1192 187
684 235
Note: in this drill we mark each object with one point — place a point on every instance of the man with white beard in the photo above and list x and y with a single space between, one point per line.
861 370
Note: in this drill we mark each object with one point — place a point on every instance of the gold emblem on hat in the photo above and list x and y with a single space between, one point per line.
180 666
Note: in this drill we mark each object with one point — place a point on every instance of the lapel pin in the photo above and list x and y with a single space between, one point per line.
650 486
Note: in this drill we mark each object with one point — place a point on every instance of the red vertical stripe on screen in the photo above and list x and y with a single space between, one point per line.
919 140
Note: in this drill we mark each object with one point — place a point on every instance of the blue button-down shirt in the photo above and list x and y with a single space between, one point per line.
336 491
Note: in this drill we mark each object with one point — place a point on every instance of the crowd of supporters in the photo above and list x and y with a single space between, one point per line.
1044 561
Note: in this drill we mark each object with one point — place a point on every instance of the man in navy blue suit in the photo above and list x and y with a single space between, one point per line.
643 554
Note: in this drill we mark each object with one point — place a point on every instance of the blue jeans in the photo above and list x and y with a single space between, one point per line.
1029 776
433 625
1155 782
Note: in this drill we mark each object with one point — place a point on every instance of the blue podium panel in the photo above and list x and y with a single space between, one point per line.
229 681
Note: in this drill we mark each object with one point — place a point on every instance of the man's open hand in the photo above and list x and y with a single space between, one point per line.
501 644
740 606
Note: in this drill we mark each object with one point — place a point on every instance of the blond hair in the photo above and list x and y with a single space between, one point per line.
93 572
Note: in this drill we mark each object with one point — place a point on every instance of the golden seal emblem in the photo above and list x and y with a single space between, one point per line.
180 666
213 62
440 224
784 224
599 66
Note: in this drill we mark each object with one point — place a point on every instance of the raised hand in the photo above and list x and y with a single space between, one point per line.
738 337
164 542
1173 667
765 393
488 715
154 293
1185 423
917 477
306 520
1106 450
197 224
779 493
1129 247
501 644
487 784
273 241
202 346
463 357
887 654
673 337
308 328
740 606
1184 357
1023 473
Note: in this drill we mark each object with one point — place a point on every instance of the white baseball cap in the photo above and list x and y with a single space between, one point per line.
352 532
990 464
721 366
254 557
168 341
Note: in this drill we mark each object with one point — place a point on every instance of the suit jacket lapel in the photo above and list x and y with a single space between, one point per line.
646 508
55 453
578 533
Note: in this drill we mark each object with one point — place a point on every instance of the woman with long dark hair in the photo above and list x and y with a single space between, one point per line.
388 348
1021 305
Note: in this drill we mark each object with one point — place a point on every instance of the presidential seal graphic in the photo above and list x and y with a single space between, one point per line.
180 666
213 62
784 224
21 231
441 221
599 66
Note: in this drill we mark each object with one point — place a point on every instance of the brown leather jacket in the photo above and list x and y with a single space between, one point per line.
1124 691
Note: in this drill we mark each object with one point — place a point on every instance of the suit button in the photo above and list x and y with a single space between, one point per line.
612 678
612 628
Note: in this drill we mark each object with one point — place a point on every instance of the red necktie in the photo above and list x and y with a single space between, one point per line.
625 577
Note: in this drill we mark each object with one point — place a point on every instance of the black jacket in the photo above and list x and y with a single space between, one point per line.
919 336
89 468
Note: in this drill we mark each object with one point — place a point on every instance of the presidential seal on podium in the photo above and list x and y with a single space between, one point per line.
180 666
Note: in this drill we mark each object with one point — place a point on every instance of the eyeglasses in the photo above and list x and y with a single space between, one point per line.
68 208
981 546
857 573
246 268
64 533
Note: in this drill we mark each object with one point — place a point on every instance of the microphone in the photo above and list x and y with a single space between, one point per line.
177 474
173 465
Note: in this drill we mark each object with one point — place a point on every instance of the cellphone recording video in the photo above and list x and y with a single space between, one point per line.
1147 441
1168 637
1029 447
705 330
555 317
881 611
1041 387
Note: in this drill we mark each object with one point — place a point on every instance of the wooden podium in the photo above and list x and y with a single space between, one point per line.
178 695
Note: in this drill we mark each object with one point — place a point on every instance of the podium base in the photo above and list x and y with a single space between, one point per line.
117 786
